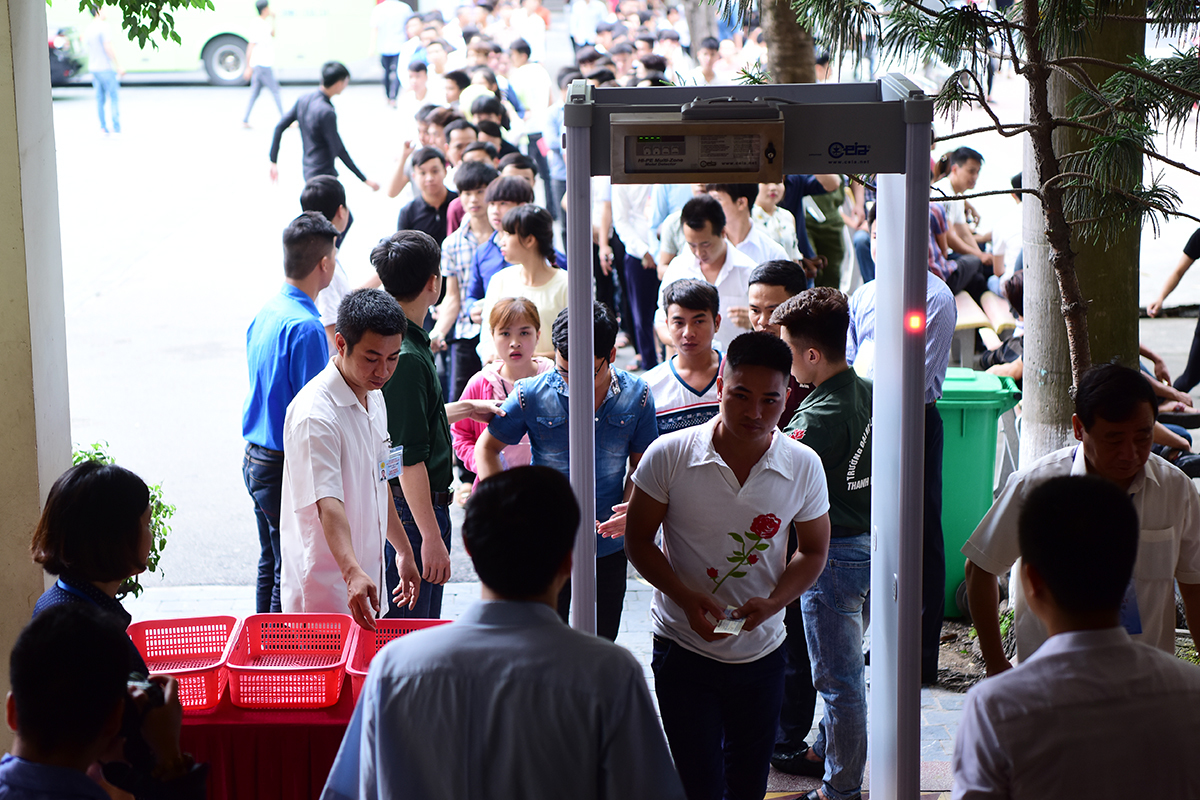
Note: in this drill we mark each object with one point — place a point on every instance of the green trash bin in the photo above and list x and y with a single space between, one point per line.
971 405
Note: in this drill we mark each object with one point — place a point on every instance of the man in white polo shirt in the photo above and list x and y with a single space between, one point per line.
724 493
336 507
1114 423
714 259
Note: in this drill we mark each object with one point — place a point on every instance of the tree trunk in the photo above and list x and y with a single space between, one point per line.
790 53
1081 301
701 19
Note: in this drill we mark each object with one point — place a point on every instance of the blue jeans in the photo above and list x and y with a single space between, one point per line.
260 78
862 254
429 604
833 625
262 469
391 78
719 719
107 86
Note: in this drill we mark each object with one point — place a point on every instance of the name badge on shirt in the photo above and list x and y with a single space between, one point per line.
393 464
1131 620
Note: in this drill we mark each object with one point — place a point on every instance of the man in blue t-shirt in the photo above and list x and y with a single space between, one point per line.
285 347
625 427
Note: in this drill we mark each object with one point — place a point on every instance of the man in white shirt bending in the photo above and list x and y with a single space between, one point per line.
336 507
1046 728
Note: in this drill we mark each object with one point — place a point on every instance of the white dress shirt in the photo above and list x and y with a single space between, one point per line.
1056 726
759 247
733 286
332 448
1168 548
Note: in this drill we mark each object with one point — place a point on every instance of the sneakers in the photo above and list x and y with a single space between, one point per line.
797 763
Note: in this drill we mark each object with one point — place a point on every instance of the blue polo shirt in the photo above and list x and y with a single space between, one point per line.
625 424
285 348
795 187
27 780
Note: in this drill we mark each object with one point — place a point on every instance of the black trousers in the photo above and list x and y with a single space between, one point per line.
1191 373
969 277
933 551
610 595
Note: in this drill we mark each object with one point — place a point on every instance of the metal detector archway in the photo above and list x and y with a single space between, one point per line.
881 128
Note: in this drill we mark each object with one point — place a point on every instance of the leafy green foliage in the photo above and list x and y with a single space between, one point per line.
143 18
160 515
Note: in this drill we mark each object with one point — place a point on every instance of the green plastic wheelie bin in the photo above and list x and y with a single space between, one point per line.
971 405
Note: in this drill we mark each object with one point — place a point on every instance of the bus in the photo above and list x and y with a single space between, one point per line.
307 34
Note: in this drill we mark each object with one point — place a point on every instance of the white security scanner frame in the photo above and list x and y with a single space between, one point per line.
863 128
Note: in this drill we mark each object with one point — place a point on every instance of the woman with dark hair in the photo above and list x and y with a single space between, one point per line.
527 242
94 534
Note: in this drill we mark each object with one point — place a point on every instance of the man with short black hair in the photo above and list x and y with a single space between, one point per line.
418 418
325 194
1042 729
1115 410
335 512
835 421
507 696
459 134
285 347
69 670
966 257
711 258
737 201
625 426
318 128
685 385
721 493
428 212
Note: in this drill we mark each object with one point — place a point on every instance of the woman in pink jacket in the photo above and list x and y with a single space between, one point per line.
515 326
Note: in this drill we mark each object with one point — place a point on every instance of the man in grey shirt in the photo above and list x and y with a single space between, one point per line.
507 701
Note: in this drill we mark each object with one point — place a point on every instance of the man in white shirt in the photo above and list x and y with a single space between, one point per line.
508 701
336 507
388 22
325 194
1115 409
1046 729
970 261
724 493
711 258
260 59
737 201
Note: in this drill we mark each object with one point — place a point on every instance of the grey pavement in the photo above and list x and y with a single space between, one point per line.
940 709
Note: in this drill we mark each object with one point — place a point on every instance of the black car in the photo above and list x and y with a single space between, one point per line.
64 65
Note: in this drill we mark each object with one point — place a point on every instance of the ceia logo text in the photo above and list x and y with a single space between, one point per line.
842 150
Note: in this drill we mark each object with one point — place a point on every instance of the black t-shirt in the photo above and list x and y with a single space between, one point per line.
420 216
1192 248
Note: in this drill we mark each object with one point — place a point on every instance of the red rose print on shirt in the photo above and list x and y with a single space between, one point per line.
798 435
749 544
765 526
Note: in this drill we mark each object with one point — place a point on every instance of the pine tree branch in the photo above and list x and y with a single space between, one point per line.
943 196
1004 129
1067 123
1127 69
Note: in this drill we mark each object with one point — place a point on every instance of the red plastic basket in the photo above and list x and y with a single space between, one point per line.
367 643
192 650
289 660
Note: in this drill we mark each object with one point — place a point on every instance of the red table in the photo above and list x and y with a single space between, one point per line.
266 754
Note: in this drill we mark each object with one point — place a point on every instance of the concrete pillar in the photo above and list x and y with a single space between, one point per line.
35 420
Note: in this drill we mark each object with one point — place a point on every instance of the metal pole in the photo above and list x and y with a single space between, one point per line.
577 122
898 457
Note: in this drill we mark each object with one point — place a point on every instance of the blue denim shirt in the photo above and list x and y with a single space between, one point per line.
625 424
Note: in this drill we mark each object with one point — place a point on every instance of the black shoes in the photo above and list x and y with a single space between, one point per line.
797 763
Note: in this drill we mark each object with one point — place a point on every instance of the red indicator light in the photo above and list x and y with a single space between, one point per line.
915 322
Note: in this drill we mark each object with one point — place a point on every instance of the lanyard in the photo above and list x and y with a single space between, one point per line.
76 592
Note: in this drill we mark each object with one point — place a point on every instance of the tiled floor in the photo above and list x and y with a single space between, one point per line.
940 709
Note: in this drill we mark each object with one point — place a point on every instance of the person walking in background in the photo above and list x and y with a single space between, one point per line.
388 21
318 128
260 59
106 72
1191 251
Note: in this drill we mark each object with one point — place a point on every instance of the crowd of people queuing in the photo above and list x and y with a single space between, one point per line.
733 471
